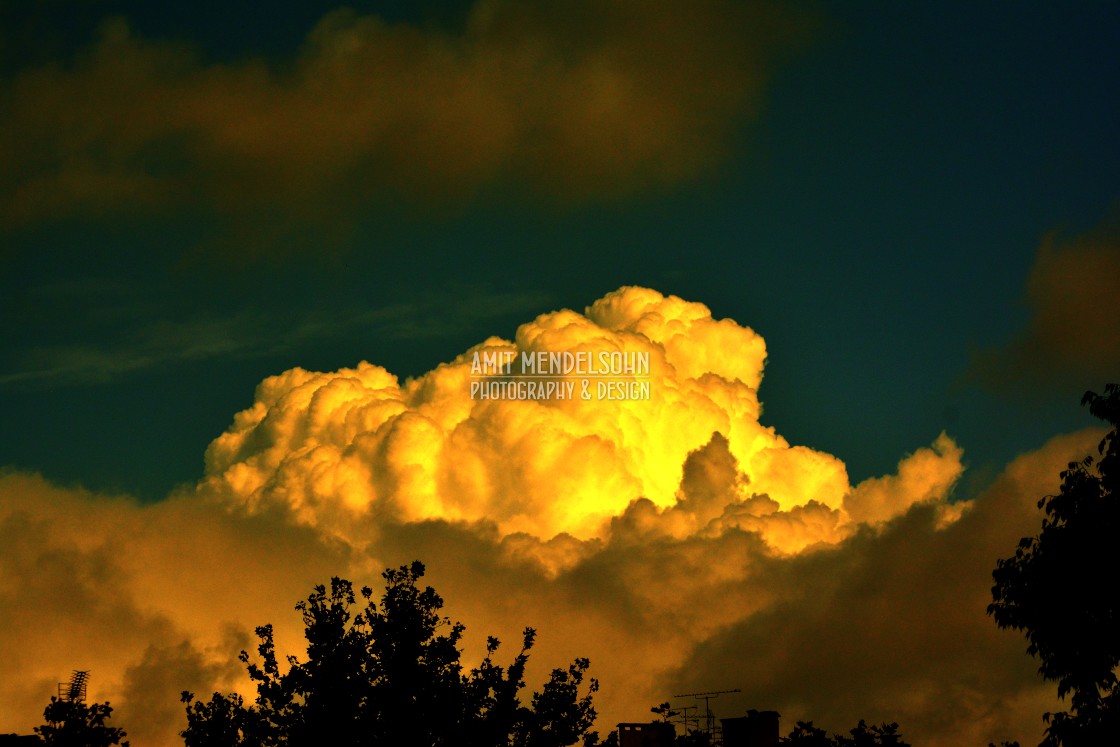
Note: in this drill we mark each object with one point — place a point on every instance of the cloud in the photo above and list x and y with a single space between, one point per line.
1072 338
145 334
579 100
891 624
332 447
676 541
148 345
926 476
152 599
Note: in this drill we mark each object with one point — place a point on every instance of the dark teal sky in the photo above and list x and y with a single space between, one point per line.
873 206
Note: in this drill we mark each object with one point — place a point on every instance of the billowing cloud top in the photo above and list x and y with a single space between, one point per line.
330 447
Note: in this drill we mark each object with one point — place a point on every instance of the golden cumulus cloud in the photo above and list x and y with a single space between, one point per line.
580 100
332 448
675 540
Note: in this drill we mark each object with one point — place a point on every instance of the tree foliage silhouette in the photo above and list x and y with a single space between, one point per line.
72 723
1060 589
390 674
804 734
863 735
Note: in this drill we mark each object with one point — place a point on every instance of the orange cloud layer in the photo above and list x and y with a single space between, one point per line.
676 541
1072 337
585 99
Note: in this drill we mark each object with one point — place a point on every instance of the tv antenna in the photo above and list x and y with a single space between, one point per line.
74 691
707 697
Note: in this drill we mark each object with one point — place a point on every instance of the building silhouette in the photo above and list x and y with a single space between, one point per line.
756 729
651 734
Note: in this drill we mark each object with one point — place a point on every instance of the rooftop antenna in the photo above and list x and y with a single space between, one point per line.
709 717
686 718
74 691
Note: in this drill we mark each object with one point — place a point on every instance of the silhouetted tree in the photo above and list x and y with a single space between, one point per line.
863 735
390 674
804 734
224 721
665 711
591 739
72 723
1060 588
